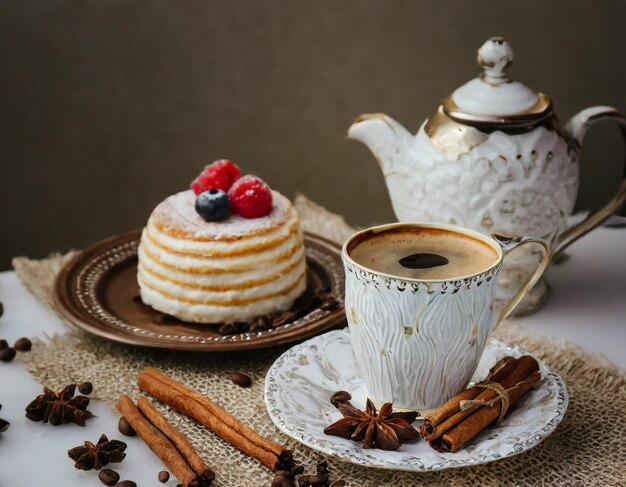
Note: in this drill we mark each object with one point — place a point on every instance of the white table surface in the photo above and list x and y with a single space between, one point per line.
587 306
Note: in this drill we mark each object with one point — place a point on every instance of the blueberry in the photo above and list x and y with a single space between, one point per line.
213 205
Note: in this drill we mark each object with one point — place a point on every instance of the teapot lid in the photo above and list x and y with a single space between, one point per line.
493 97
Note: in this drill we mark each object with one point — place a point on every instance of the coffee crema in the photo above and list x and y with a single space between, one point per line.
422 253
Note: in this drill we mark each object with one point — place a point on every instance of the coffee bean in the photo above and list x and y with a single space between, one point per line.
22 344
322 468
261 323
303 481
322 295
7 354
4 425
297 470
125 428
166 319
281 481
108 476
283 318
318 480
241 379
1 309
242 327
227 329
163 476
3 344
329 304
126 483
339 397
85 388
338 483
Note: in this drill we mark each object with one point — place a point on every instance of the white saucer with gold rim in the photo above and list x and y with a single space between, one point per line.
300 382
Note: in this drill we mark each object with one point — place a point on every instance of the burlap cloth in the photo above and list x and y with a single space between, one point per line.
586 449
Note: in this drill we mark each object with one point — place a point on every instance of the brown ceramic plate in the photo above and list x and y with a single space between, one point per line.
98 292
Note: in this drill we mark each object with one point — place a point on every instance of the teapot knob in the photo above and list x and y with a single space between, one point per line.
495 56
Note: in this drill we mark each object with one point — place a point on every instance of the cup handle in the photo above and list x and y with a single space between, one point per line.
576 128
509 244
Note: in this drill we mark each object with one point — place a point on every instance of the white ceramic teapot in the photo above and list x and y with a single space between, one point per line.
493 158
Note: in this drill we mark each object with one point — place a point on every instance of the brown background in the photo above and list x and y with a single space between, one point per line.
109 106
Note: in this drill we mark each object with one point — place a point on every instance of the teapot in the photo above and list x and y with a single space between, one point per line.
492 158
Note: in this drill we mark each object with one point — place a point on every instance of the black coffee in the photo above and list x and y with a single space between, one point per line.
423 260
423 253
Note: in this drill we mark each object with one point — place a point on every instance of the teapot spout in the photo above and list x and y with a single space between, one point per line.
386 138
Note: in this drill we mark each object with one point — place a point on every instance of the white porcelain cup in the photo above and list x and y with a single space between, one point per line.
417 342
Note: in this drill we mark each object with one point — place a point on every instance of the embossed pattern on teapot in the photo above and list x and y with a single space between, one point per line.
493 158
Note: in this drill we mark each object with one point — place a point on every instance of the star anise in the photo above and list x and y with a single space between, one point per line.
59 407
382 429
96 456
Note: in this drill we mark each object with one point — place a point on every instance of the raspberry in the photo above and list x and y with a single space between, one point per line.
219 175
250 197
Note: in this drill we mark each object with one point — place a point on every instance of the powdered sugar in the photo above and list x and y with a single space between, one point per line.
177 216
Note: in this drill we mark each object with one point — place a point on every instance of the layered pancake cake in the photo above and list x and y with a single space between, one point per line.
201 263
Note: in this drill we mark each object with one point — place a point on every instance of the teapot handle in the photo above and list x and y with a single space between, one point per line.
576 128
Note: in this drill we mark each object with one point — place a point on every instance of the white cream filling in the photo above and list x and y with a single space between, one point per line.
219 314
224 279
239 263
187 293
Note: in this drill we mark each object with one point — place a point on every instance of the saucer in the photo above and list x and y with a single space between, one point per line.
300 382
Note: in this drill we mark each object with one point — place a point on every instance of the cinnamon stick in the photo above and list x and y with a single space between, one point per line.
484 416
451 433
188 405
443 418
176 437
157 442
217 411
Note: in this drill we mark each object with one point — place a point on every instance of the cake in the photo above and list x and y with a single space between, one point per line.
232 269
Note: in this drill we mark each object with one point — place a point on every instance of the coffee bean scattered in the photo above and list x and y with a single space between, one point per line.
4 425
85 388
3 343
23 344
163 476
339 397
318 480
1 309
125 428
109 477
126 483
281 480
309 301
329 304
7 354
296 476
241 379
284 318
260 323
233 328
166 319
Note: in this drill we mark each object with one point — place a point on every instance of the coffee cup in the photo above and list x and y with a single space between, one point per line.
420 306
